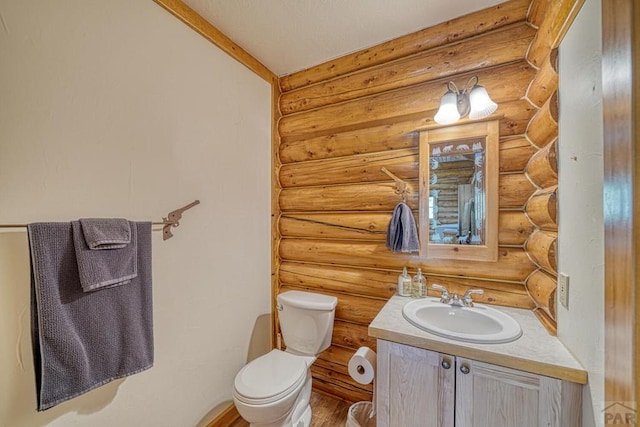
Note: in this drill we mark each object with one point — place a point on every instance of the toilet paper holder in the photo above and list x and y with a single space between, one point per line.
362 365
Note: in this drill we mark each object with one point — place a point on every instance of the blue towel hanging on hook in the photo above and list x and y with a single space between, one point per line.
402 233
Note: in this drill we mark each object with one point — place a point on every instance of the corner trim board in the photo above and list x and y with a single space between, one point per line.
190 17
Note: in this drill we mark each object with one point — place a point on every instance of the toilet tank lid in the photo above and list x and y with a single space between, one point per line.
307 300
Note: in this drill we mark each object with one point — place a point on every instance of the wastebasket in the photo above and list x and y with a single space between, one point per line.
360 415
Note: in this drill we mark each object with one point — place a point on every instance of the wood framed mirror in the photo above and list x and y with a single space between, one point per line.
459 192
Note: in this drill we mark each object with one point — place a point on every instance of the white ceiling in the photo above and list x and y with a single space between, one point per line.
291 35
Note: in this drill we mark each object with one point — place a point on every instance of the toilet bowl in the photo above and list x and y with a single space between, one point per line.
274 389
268 390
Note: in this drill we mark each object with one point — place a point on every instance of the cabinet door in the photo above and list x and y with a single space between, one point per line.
492 396
414 387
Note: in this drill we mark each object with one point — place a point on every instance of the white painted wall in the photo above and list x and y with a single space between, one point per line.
581 229
116 108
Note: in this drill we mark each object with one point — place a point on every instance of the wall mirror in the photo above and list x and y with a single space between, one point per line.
459 192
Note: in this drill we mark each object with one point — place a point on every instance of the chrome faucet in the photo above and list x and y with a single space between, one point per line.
455 300
444 297
466 298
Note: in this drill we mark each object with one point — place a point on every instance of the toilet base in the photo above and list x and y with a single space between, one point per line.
300 415
302 421
305 420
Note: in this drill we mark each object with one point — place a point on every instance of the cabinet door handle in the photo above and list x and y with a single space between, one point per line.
465 369
446 364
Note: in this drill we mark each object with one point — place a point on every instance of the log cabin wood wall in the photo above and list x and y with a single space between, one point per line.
342 121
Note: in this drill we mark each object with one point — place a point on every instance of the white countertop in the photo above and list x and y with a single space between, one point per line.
535 351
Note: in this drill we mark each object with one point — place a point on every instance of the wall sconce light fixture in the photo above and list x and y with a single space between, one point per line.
473 100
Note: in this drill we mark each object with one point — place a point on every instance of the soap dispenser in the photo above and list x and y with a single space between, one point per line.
404 283
419 285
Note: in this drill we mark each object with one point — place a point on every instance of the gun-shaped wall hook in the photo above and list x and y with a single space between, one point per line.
173 219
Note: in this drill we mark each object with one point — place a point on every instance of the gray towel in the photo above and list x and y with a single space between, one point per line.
100 269
84 340
402 233
106 233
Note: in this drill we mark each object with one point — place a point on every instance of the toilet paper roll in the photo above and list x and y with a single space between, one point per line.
362 365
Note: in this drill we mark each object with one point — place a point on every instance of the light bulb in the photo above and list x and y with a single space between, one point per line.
481 103
448 111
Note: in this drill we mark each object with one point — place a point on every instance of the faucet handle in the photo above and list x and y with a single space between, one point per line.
466 298
444 297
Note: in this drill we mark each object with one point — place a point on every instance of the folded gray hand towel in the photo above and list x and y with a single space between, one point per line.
104 268
402 233
106 233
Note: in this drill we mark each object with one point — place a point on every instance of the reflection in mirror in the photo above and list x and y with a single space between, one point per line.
456 192
459 192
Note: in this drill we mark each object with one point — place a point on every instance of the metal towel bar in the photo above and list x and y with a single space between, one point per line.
170 221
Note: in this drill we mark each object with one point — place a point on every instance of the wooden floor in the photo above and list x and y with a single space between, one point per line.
327 412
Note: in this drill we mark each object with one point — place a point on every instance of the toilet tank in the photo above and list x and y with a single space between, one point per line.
306 321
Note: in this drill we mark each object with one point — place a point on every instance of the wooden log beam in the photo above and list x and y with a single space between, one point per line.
537 12
352 335
493 287
543 166
505 83
337 355
558 16
516 117
515 152
351 280
542 287
512 265
336 225
190 17
514 155
396 135
542 208
541 247
514 190
543 128
545 83
353 169
514 227
352 197
488 50
457 29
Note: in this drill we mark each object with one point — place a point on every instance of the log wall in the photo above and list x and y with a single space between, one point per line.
552 20
344 120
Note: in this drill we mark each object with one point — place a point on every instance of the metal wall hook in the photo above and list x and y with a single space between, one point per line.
173 219
402 188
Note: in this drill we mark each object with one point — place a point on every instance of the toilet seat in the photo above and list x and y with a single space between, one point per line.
269 378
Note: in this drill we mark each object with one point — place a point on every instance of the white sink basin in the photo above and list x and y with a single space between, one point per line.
477 324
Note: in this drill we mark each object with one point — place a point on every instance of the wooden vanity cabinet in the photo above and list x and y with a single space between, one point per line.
414 387
422 388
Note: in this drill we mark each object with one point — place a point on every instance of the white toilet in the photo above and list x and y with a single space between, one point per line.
274 390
